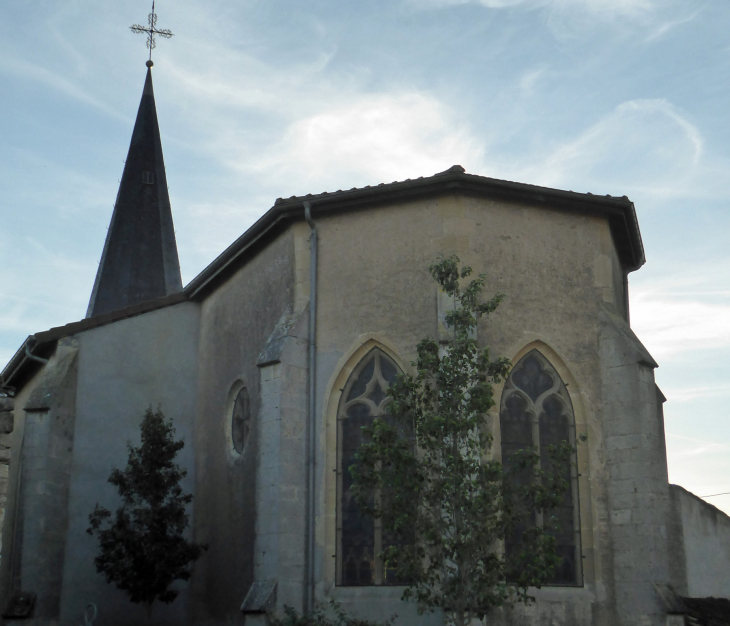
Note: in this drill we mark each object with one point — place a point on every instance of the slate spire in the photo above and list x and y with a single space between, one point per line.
139 261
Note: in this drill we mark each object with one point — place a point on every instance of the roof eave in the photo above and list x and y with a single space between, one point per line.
21 367
620 212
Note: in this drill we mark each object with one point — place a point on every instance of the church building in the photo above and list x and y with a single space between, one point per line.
259 359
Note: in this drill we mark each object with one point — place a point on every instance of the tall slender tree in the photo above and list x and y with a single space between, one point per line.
426 470
143 550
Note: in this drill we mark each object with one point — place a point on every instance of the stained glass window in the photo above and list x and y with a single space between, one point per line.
536 411
360 537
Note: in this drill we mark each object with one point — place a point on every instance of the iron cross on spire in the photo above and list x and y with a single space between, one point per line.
151 31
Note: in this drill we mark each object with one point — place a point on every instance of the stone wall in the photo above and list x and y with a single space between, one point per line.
6 427
236 323
560 273
123 368
636 471
701 547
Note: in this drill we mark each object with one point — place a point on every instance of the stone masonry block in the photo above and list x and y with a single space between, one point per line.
292 514
7 421
295 373
624 500
293 422
35 463
291 571
618 456
291 543
293 451
267 542
622 516
624 558
625 442
59 447
292 386
622 471
622 422
293 401
291 493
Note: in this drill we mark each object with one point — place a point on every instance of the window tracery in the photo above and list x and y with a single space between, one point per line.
536 411
360 537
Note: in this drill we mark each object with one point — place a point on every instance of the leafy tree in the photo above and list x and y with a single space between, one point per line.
321 617
425 469
143 550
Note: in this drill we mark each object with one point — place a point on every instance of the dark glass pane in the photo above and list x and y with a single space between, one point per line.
565 572
362 381
240 420
358 416
388 370
554 430
531 378
515 426
358 553
516 434
377 395
357 529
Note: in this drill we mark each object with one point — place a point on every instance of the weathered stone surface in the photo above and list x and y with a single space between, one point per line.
702 540
7 422
261 597
564 283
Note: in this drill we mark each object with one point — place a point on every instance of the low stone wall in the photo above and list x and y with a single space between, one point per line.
705 536
6 427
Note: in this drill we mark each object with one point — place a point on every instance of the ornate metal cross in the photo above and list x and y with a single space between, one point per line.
151 30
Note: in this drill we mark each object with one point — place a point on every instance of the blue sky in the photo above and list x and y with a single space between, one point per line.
265 98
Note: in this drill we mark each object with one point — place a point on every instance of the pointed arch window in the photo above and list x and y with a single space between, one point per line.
536 411
360 538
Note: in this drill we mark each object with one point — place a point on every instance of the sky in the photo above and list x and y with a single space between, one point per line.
259 99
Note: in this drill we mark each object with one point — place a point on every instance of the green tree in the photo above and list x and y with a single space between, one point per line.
425 470
143 551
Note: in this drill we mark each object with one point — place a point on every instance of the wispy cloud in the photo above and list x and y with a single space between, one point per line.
672 326
688 394
21 69
700 465
664 27
607 8
375 138
642 145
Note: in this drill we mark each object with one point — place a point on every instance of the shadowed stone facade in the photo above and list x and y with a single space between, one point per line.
7 421
251 360
561 259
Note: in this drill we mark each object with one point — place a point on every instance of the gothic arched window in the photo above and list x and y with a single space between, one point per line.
360 538
536 411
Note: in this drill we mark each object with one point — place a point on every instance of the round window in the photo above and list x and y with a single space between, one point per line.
240 420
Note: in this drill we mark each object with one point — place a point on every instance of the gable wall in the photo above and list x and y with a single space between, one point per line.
557 269
124 368
705 545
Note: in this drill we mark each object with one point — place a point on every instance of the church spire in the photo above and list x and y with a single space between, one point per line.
139 261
